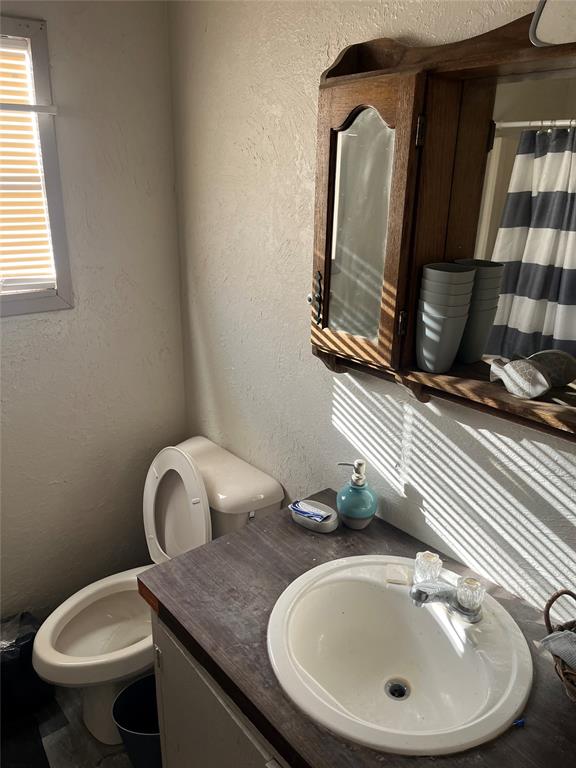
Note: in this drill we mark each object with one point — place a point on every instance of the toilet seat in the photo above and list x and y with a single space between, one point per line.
100 634
175 506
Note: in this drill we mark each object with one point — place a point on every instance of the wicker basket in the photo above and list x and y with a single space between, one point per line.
565 672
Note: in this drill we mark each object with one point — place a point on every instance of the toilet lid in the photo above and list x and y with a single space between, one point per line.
175 507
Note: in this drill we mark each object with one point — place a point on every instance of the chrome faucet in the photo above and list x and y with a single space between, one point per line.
442 592
465 599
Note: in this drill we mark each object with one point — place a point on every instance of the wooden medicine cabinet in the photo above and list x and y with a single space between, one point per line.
415 146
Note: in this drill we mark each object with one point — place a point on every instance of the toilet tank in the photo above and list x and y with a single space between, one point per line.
236 490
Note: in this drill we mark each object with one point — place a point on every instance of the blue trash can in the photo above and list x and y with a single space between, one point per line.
136 717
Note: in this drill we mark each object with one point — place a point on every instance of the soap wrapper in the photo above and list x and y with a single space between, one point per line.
314 515
305 509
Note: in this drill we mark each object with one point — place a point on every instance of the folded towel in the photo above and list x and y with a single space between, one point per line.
563 645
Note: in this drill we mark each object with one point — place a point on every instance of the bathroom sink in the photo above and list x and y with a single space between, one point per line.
352 651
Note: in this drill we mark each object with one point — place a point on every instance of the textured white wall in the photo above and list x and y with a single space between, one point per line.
90 394
500 497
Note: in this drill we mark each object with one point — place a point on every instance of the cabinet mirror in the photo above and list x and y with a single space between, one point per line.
364 156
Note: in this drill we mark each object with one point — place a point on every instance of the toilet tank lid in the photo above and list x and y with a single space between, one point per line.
232 485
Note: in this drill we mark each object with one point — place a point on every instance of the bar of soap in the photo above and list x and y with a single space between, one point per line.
398 574
329 524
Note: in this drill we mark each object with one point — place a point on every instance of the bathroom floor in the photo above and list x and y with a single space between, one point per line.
63 740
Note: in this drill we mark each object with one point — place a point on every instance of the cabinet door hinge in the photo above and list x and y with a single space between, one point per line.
316 298
402 322
420 129
158 657
491 136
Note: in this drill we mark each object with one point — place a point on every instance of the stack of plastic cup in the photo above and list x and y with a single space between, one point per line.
483 307
442 314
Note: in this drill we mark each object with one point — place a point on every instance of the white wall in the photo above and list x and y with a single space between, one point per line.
501 497
552 98
90 394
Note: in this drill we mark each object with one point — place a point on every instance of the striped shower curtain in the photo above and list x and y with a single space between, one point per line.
537 243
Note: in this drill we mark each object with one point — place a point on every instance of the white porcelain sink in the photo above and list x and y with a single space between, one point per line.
343 638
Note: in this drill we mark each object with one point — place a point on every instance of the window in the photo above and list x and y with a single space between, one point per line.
34 268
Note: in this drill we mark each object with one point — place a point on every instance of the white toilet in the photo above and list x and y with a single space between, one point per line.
101 637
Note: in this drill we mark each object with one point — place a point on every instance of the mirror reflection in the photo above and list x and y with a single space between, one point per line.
554 23
364 158
528 218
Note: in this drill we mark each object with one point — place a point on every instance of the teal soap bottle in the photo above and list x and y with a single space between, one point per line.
356 501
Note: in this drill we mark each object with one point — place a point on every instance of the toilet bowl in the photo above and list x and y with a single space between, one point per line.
100 637
96 640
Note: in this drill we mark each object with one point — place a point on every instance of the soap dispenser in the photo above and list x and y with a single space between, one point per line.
356 501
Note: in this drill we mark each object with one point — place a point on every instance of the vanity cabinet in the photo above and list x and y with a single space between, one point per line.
403 146
200 726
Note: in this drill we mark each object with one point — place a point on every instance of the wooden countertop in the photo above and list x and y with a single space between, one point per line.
217 600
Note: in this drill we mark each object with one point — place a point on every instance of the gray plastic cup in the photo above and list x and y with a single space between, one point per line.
437 341
440 310
476 334
448 289
482 266
480 305
446 300
487 283
447 272
486 295
488 276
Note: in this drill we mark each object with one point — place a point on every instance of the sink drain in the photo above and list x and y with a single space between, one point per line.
397 689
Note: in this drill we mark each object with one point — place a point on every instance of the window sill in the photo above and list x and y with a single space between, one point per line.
32 303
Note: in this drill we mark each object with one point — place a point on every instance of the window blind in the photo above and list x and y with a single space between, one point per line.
26 254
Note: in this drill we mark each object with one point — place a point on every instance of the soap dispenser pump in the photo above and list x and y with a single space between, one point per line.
356 501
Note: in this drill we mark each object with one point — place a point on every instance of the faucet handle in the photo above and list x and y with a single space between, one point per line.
427 567
470 593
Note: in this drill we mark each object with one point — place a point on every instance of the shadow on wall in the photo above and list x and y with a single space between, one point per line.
505 508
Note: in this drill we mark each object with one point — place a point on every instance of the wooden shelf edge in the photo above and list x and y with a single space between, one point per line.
487 397
493 397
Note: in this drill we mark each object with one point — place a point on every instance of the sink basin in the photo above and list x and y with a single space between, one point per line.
352 651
